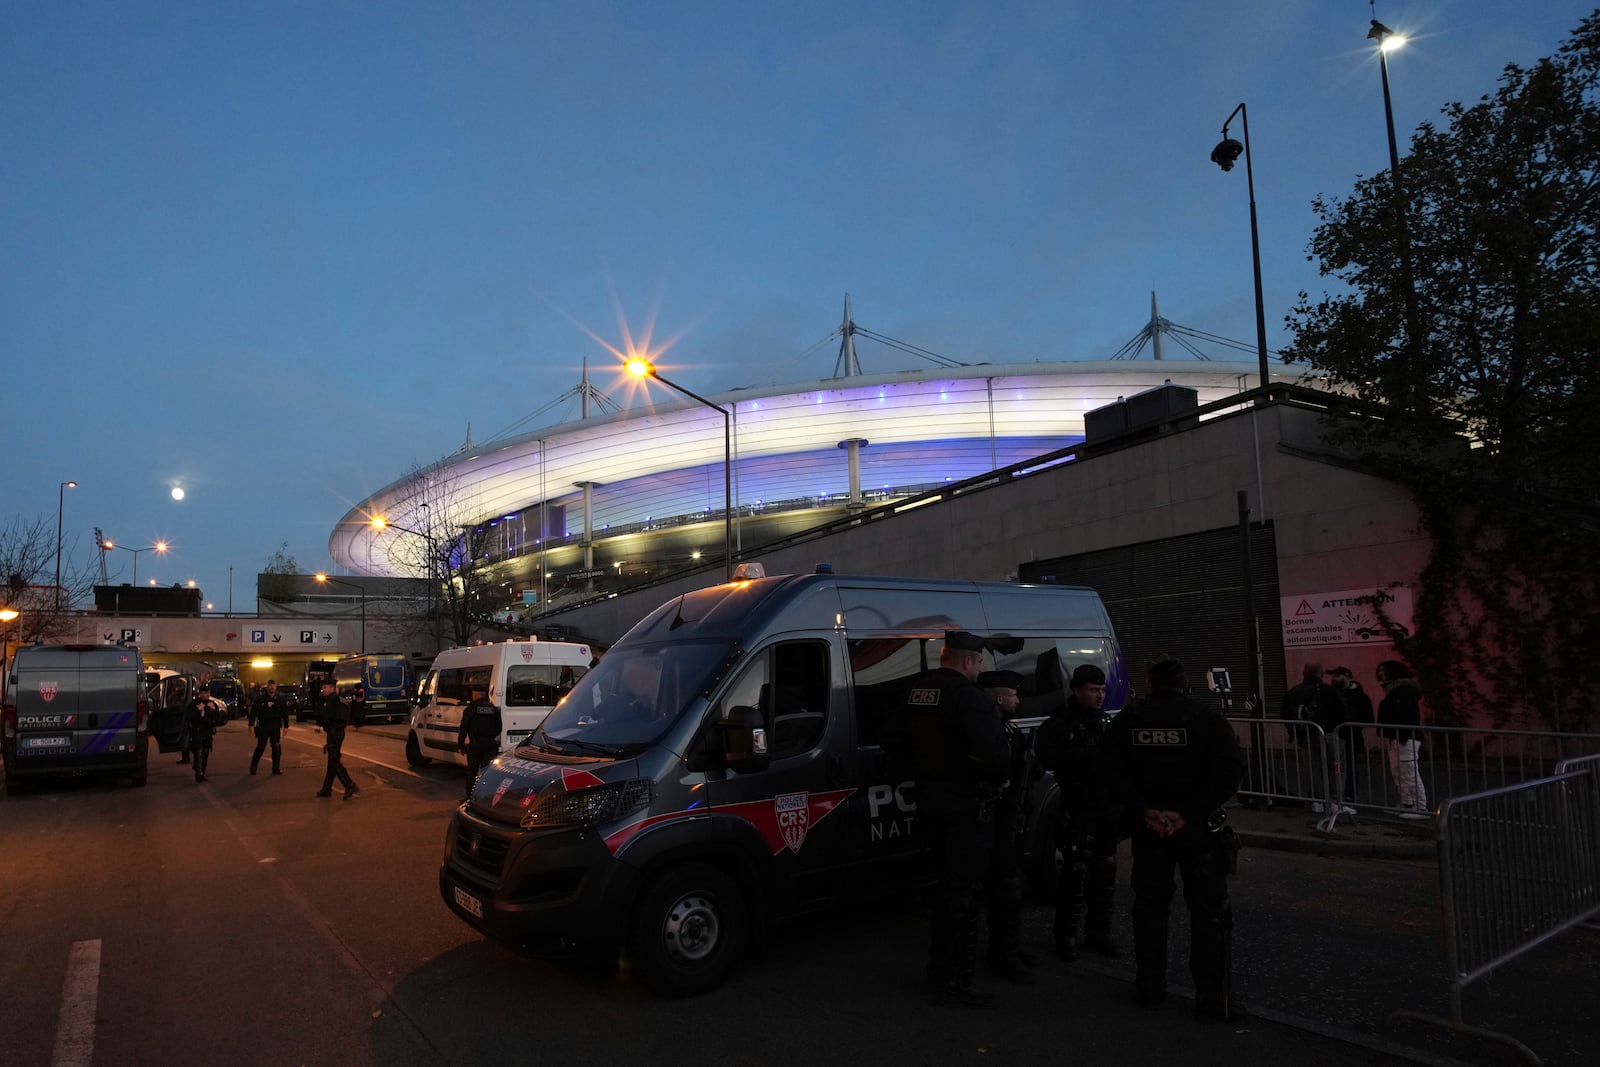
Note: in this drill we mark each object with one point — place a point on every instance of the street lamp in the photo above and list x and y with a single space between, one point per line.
61 503
643 368
360 589
160 548
8 615
380 524
1387 40
1225 155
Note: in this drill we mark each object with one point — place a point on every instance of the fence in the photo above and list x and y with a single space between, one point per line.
1354 771
1518 865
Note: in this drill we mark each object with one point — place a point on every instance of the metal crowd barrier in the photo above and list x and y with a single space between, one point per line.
1353 773
1518 866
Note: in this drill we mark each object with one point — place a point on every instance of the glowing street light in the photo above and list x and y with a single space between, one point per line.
1388 41
360 589
160 548
643 368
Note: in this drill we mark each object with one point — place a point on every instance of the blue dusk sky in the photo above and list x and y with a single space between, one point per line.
279 253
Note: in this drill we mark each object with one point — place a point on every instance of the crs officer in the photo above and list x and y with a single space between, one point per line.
1070 744
950 731
478 735
335 717
1173 763
270 717
1003 886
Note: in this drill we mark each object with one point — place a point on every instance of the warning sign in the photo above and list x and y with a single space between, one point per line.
1346 617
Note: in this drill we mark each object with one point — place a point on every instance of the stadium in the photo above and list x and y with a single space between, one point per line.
604 503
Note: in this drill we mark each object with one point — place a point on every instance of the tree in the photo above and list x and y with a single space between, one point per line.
1504 215
27 580
277 580
442 539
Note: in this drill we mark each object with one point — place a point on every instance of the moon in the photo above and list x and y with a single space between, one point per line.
177 492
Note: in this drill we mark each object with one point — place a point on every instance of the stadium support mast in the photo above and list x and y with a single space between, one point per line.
847 365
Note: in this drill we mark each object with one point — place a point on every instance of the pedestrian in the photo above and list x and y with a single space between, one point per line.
1174 763
1003 882
1070 744
948 732
356 709
335 717
269 715
1315 701
478 735
1401 707
1358 713
203 716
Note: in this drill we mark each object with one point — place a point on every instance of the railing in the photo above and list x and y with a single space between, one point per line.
1353 770
1518 866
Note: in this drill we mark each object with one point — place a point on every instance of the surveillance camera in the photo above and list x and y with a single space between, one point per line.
1226 153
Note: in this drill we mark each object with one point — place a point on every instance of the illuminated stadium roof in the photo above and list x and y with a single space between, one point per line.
655 468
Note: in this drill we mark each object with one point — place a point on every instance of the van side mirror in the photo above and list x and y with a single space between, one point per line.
745 735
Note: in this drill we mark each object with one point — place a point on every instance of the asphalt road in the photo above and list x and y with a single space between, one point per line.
246 921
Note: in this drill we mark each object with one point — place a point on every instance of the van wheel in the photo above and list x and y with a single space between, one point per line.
13 787
414 754
688 931
139 780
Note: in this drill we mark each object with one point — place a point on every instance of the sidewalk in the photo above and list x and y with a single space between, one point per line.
1292 829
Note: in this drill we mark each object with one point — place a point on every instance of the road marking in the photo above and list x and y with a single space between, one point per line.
378 762
80 994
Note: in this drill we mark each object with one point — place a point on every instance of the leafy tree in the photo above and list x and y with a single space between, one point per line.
1504 210
277 580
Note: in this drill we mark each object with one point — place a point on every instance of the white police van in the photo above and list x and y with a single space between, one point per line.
523 678
721 767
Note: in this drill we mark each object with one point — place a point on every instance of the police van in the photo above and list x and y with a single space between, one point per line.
524 678
74 709
721 767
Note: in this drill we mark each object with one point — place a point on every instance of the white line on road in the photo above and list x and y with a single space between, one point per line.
80 996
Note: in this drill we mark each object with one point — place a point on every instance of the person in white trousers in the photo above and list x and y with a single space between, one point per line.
1400 708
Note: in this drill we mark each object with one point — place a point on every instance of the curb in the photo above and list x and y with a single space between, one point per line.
1333 845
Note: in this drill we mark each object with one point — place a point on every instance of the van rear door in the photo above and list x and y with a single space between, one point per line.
78 710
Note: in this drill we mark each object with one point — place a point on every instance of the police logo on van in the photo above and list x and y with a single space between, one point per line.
1164 737
48 690
793 811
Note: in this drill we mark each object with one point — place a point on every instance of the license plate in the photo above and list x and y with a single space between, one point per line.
469 903
46 742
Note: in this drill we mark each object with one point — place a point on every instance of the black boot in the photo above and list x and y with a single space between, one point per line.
253 767
1009 966
1066 949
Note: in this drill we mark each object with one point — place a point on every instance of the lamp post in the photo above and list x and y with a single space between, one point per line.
1387 39
380 524
61 504
643 368
160 548
360 589
7 615
1225 155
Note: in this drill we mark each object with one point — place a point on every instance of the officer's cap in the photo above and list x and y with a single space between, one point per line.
327 682
961 641
272 681
1087 674
999 680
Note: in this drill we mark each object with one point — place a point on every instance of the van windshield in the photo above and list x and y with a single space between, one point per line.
630 699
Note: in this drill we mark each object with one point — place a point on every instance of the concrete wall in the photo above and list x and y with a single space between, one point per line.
1336 528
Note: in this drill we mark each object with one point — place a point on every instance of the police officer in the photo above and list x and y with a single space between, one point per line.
1003 884
335 717
478 736
950 730
1174 762
1070 745
203 717
269 714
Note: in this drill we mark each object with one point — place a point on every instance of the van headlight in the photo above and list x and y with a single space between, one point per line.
595 806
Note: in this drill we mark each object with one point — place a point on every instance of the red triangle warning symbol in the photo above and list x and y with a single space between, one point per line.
1305 608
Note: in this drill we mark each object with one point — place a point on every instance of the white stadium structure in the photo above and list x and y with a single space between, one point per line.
634 494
